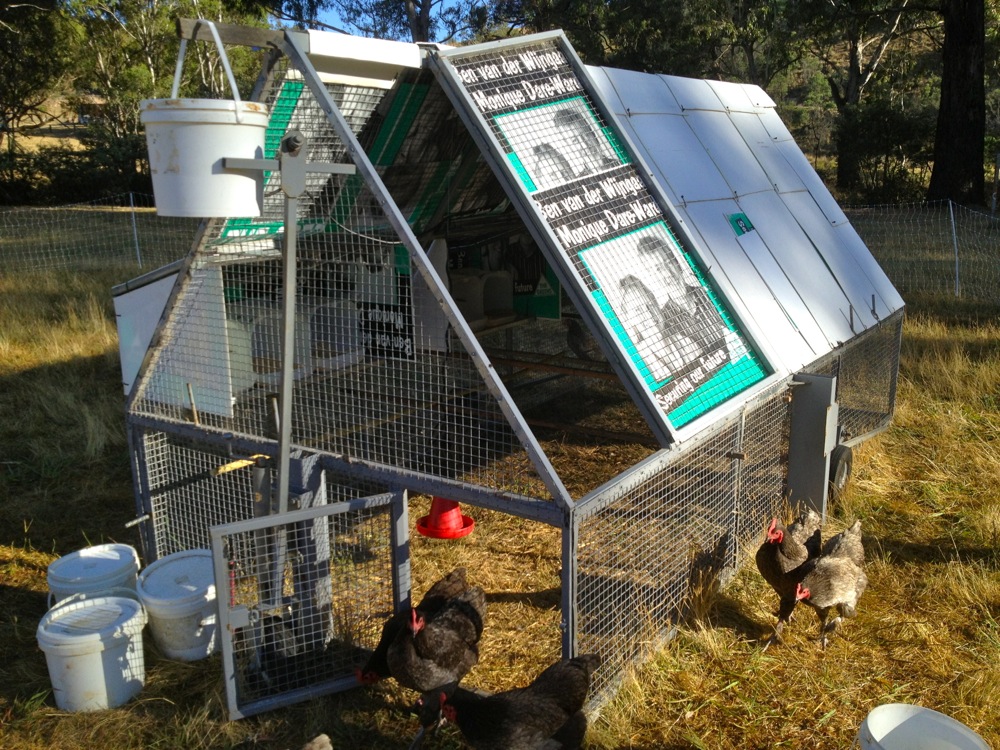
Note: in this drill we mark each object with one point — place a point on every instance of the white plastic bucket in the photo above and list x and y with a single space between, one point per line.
93 649
187 140
901 726
178 592
93 570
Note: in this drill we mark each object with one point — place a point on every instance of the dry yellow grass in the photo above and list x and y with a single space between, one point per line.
927 629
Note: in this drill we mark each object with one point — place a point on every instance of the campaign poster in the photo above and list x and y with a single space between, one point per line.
610 231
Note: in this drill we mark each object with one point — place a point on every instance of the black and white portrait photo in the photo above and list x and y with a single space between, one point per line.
558 143
663 309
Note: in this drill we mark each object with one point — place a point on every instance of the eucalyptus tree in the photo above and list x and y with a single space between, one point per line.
130 53
37 55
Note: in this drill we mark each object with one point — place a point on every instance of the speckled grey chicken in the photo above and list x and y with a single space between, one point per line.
847 543
548 713
398 631
835 581
781 560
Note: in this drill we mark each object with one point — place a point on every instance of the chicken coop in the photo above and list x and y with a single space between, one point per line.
510 245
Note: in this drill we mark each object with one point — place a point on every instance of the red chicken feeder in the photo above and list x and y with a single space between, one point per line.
445 521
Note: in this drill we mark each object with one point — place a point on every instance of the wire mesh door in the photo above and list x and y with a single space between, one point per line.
302 596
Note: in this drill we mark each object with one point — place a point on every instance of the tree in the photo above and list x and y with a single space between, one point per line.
37 49
961 124
852 39
410 20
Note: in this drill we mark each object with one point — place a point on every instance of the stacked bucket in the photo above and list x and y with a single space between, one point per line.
100 604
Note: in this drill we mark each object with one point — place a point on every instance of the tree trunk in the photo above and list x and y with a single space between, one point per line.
961 125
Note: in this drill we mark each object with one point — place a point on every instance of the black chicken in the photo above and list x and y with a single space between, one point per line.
835 581
436 649
377 667
781 560
548 713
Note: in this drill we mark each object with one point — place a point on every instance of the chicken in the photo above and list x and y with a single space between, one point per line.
377 667
806 530
847 544
781 560
835 581
441 647
548 713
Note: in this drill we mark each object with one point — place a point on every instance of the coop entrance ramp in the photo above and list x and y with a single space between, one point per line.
302 597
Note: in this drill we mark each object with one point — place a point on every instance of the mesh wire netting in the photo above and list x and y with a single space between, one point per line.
121 230
866 372
305 600
380 374
938 249
659 542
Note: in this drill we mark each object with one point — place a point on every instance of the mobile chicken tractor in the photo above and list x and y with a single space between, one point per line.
463 261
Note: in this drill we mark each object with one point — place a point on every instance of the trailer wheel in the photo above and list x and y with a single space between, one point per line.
841 462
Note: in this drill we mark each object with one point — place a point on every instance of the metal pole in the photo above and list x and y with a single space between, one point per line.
135 232
996 182
954 243
291 164
293 183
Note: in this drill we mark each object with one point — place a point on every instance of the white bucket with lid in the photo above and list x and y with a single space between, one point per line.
178 592
93 649
187 140
902 726
93 570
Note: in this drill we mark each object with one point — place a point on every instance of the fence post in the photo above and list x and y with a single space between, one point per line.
135 231
996 182
954 242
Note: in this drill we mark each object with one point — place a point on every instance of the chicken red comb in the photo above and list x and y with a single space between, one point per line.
801 592
416 621
774 534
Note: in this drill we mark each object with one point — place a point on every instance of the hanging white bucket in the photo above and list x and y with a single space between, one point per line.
901 726
93 650
187 140
178 592
92 570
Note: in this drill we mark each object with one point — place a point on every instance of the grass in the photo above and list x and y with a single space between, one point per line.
927 631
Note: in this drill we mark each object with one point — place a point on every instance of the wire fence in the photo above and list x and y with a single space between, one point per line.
123 230
938 249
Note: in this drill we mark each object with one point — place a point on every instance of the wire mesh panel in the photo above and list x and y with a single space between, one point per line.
670 533
763 467
302 598
380 374
867 368
188 488
866 381
634 555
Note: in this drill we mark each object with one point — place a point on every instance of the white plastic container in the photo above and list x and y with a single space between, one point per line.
187 140
178 592
901 726
93 649
92 570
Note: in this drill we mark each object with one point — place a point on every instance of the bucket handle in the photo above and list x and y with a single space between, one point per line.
225 64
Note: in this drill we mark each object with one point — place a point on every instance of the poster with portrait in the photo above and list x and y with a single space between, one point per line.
610 235
558 143
672 330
